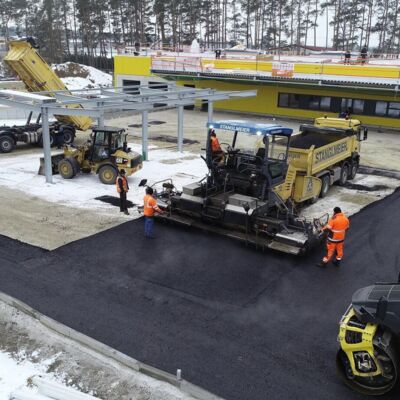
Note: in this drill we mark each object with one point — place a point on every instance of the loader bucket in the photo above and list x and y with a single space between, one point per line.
54 164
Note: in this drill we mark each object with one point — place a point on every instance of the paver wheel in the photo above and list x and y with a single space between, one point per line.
66 168
6 144
108 174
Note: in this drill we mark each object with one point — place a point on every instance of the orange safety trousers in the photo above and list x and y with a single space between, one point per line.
331 248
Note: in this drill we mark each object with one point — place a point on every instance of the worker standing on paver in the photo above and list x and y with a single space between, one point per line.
217 153
150 208
336 227
122 189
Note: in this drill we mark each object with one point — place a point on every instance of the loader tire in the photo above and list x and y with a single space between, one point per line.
326 182
6 144
75 164
108 174
344 175
66 168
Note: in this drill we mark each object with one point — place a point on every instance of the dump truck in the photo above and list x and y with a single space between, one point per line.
23 58
320 155
238 196
105 154
31 132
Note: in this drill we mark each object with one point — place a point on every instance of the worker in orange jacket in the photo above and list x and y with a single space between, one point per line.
336 227
217 153
122 188
150 208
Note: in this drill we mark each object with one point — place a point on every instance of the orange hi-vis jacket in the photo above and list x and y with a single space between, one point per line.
337 227
125 186
215 146
150 206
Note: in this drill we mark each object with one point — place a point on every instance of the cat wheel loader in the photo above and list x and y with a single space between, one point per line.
369 338
105 154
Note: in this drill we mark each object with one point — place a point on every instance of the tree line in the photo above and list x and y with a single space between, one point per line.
92 28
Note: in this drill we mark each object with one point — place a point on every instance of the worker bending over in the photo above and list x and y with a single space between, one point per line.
122 189
150 208
336 227
217 153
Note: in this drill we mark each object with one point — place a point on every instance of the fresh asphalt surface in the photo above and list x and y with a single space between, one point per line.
243 324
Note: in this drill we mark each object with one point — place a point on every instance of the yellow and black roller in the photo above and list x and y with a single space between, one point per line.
369 332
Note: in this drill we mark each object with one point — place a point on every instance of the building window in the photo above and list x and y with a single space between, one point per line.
339 104
393 109
380 108
128 86
325 104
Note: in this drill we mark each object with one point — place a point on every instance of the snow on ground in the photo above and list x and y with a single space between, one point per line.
361 191
21 173
183 168
14 372
79 76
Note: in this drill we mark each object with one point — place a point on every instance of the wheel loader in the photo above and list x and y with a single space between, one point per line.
248 196
105 154
369 338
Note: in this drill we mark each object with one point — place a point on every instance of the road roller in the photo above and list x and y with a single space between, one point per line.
369 332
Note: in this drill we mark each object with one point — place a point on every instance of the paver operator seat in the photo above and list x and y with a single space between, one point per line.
245 171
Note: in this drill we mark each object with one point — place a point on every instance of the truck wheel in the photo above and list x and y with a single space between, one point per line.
68 136
353 170
326 182
66 168
108 174
6 144
40 142
344 175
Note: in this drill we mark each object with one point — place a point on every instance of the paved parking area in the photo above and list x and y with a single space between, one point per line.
241 323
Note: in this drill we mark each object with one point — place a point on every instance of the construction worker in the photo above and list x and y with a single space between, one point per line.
122 188
217 153
150 208
336 227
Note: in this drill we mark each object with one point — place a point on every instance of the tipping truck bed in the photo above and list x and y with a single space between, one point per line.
37 76
320 155
316 150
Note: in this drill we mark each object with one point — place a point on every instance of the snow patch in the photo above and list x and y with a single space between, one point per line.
78 76
21 173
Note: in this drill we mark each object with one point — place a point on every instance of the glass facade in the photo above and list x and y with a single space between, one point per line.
335 104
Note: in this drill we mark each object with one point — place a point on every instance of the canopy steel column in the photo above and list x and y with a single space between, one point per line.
100 119
46 145
145 131
210 110
180 128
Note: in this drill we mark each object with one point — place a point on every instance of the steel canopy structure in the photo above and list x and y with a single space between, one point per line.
96 102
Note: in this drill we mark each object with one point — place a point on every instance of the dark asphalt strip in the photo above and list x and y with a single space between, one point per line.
238 322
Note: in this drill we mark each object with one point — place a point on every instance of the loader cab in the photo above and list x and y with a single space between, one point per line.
255 155
105 141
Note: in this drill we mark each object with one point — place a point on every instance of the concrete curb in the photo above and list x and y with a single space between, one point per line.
107 351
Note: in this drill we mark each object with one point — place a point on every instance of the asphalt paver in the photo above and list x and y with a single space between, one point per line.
242 323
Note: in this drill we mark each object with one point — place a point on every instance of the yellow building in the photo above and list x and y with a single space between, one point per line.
291 90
